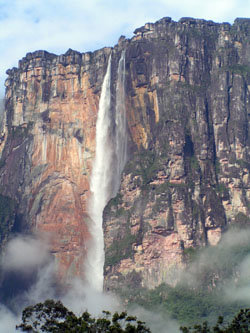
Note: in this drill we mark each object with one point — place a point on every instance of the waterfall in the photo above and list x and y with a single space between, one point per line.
121 123
99 183
109 161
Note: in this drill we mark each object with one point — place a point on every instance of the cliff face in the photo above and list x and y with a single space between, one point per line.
48 145
187 179
187 176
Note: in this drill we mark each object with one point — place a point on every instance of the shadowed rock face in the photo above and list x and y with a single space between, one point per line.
187 176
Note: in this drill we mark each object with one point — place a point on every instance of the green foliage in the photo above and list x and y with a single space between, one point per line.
146 164
201 295
115 201
194 164
239 69
21 132
2 162
216 264
239 324
120 249
18 132
243 70
149 164
188 306
121 211
184 304
243 164
164 187
7 215
190 253
217 167
196 211
222 190
197 89
52 316
241 220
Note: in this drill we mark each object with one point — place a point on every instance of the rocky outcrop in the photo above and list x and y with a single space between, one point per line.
187 176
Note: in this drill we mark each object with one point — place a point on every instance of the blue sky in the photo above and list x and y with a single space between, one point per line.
86 25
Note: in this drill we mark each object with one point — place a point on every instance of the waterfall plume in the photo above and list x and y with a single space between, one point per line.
111 152
120 123
99 183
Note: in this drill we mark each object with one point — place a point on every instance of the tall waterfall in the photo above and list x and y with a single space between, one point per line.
121 123
109 161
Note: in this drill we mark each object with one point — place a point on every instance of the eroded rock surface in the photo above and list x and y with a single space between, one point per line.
187 179
187 175
49 144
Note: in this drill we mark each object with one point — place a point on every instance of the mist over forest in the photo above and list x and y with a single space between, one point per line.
216 282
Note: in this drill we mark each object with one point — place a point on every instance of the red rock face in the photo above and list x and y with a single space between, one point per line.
65 144
56 100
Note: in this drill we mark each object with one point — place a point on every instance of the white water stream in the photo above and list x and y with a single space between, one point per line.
109 162
121 124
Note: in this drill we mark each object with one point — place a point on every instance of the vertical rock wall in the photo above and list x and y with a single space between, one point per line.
187 179
48 147
187 176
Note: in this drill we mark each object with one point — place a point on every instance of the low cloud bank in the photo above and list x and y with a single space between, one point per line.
155 321
25 254
225 266
239 288
8 320
28 258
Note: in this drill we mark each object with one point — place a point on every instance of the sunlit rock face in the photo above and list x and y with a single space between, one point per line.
186 179
52 105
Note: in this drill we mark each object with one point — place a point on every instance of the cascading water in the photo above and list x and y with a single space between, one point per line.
108 164
99 182
121 123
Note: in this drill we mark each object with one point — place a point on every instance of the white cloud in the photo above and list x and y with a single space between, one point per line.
214 258
227 265
240 291
155 320
76 295
25 254
81 297
8 320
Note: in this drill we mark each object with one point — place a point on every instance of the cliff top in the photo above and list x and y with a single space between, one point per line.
191 21
74 57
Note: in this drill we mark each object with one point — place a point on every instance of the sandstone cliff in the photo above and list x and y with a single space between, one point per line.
187 176
47 147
